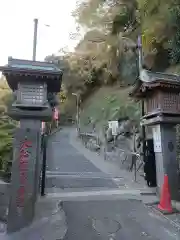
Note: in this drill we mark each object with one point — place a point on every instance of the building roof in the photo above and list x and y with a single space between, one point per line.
29 66
17 68
148 81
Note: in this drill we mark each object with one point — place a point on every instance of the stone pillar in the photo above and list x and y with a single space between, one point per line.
25 175
164 136
35 124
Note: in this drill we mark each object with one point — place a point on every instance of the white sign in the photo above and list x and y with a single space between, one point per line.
114 126
110 124
157 138
43 125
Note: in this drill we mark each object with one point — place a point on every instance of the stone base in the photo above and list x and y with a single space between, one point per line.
166 212
158 194
49 223
4 200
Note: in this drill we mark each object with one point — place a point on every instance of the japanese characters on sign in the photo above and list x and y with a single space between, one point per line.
23 169
157 138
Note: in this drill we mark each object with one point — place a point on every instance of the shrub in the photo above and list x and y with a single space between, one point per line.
174 41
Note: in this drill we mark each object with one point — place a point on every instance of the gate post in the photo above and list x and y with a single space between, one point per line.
31 82
164 137
162 112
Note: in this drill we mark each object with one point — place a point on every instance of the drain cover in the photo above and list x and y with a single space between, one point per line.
106 226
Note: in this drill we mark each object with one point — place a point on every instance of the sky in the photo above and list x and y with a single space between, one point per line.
17 22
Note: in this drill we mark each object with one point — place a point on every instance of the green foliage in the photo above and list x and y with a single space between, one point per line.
121 20
109 103
6 131
174 42
89 13
160 25
7 127
103 56
129 68
156 20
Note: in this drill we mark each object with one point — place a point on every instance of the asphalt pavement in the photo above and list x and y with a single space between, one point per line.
69 170
84 201
95 206
116 219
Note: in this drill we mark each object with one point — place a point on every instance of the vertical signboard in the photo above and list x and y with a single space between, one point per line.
22 194
43 125
114 126
157 138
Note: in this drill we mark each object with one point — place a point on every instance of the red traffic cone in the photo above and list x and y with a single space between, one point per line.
165 199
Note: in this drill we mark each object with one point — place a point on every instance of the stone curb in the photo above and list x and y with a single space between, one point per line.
175 205
147 194
173 222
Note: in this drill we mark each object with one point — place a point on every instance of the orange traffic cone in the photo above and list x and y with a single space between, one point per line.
165 199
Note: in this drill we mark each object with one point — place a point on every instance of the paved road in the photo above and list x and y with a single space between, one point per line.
94 208
93 204
69 170
126 219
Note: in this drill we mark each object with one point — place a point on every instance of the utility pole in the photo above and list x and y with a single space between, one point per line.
35 38
77 111
142 101
143 133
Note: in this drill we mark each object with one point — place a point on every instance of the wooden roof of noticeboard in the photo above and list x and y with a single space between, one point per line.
148 80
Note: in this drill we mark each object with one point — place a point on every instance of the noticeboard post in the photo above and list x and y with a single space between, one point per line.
113 125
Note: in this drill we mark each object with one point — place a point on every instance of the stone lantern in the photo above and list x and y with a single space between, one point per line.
31 83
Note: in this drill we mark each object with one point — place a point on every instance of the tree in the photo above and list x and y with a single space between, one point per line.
7 127
105 55
107 22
